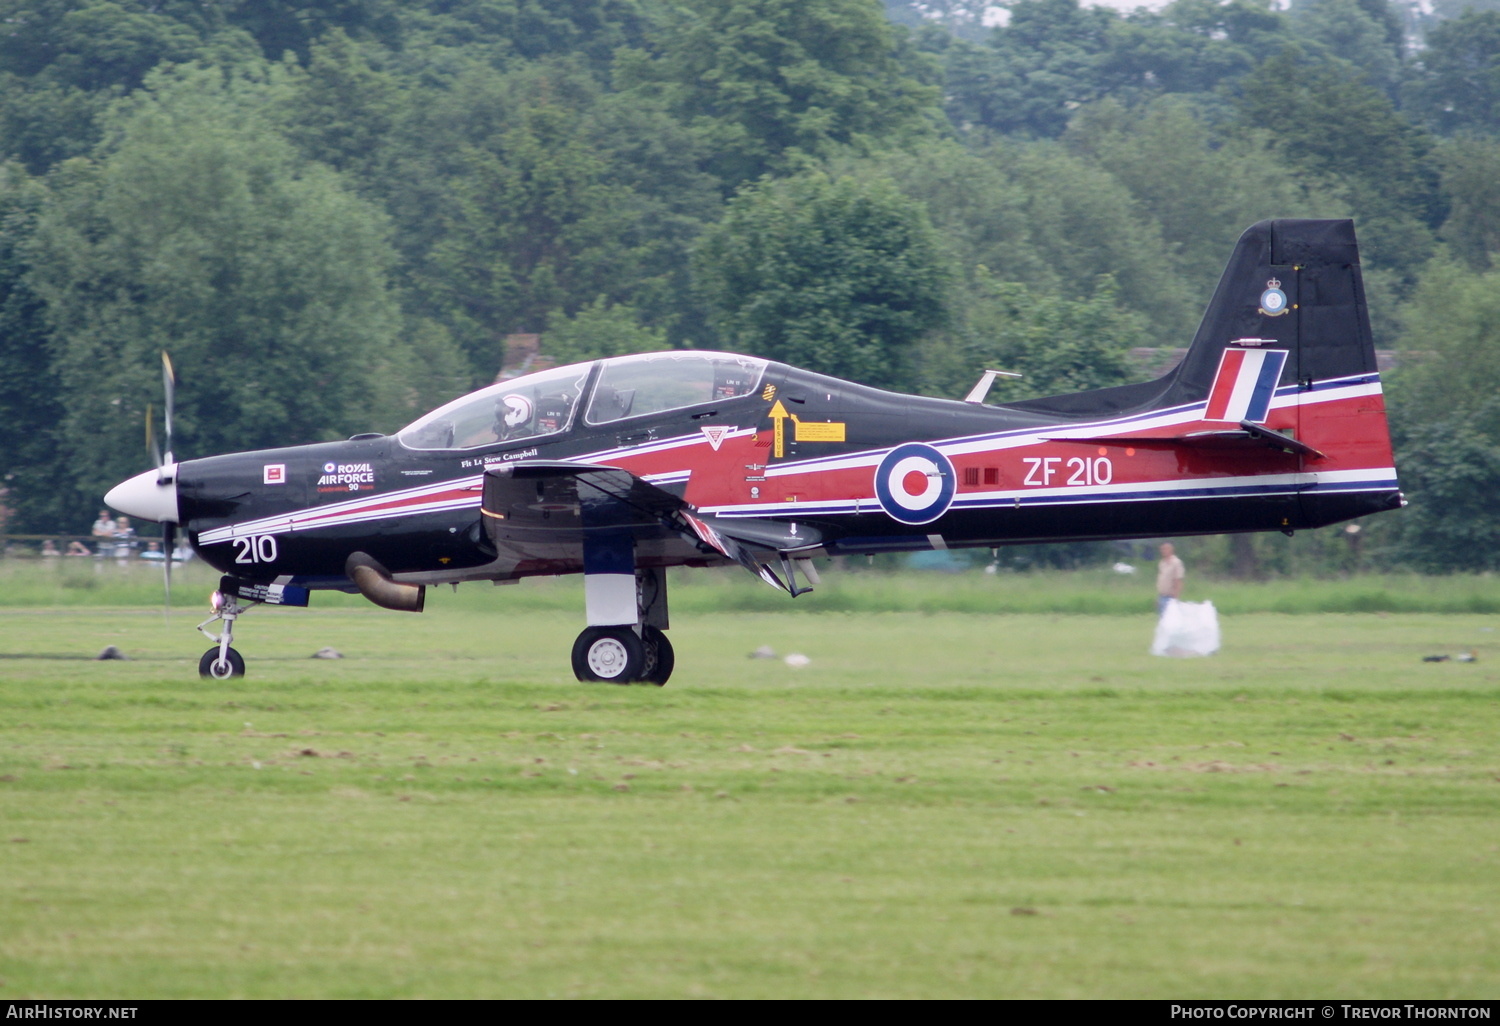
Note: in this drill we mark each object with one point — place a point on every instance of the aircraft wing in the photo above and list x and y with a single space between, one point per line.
540 511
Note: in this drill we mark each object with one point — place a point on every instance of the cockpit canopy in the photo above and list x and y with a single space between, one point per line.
618 389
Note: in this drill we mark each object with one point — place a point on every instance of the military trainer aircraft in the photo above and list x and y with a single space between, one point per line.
620 468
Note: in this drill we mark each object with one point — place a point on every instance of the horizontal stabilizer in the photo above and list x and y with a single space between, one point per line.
1248 435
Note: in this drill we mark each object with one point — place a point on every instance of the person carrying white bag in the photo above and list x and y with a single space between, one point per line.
1169 577
1182 628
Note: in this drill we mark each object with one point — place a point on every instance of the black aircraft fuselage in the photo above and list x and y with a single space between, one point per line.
619 468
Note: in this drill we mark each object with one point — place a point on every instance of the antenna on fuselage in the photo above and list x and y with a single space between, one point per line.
982 387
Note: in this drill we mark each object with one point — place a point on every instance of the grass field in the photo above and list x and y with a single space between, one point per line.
948 803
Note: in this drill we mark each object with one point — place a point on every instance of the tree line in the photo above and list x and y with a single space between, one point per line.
333 212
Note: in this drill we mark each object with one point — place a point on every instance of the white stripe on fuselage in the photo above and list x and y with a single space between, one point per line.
1140 491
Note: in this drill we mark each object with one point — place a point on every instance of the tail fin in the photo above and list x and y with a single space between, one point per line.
1293 285
1297 286
1284 356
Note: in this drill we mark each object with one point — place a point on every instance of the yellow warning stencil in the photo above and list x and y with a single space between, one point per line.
816 432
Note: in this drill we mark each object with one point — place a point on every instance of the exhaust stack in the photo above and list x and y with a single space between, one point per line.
374 583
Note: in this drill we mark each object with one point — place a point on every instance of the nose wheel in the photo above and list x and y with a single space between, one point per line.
221 666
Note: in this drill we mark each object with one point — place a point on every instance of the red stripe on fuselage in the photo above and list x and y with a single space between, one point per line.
1342 428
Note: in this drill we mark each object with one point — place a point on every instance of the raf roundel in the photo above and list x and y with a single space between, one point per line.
915 483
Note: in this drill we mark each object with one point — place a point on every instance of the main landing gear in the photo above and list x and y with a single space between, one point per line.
617 655
625 641
222 662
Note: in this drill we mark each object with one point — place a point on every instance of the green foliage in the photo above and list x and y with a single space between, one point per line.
574 196
1471 184
1201 190
280 27
840 275
1151 53
198 231
1047 218
769 83
1446 421
1332 125
1083 223
43 123
30 402
507 32
964 19
1328 121
344 108
1056 56
1456 84
554 165
1061 345
1033 72
599 330
1451 327
1450 468
91 44
554 231
1363 33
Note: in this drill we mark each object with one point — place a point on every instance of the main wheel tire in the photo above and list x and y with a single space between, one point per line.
211 668
614 655
660 659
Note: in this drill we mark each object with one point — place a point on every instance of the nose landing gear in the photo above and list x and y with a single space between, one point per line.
222 662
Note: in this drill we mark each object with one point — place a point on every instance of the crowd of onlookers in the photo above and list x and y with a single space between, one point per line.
114 537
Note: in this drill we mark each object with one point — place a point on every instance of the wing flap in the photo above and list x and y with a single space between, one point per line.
541 510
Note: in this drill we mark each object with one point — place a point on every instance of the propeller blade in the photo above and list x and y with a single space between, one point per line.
169 545
151 446
169 386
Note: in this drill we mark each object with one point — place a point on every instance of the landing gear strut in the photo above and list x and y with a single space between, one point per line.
627 614
222 662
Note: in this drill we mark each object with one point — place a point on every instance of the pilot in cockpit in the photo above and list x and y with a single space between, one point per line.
514 416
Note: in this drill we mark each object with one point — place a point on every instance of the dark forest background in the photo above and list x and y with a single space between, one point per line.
333 213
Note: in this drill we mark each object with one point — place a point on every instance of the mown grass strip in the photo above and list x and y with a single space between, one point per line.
938 804
848 587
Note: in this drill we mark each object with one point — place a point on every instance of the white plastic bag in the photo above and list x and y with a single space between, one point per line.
1187 629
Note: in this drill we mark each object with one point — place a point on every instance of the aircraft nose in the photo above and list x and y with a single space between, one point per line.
147 496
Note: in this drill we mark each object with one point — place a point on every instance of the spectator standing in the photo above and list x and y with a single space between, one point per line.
124 538
1169 577
104 531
